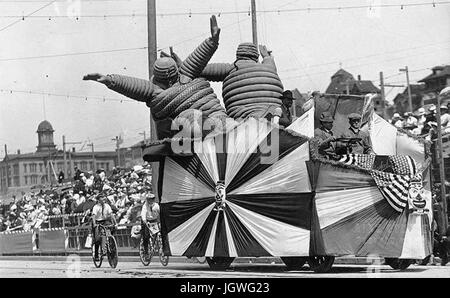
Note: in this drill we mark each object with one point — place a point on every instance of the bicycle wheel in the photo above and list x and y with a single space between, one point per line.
98 263
113 256
162 257
146 256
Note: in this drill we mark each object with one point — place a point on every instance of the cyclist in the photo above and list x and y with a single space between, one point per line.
149 213
101 214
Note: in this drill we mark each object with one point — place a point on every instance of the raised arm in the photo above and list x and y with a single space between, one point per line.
137 89
197 60
267 57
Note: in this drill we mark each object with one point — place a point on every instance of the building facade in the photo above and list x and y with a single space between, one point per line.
343 82
22 171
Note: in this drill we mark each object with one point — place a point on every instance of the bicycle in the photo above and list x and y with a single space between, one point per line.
111 247
154 245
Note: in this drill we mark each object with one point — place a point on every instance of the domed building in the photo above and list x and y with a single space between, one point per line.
21 171
45 137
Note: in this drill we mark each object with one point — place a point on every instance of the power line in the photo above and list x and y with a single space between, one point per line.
73 54
30 14
374 55
68 96
218 12
363 64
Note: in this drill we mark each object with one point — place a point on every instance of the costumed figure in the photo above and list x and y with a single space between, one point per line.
174 87
250 88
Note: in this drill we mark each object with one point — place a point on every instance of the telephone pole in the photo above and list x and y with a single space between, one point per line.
152 52
382 94
7 167
254 25
117 139
152 56
93 155
66 174
408 86
441 168
143 133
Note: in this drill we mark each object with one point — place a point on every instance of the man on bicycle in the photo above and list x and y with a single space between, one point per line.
150 214
101 214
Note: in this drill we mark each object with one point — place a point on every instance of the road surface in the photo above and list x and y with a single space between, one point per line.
74 266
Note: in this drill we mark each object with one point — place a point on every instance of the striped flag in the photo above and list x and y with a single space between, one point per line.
394 188
360 160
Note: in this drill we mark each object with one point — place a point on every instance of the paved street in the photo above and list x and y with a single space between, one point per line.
73 266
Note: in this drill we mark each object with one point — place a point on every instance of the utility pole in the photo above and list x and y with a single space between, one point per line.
254 25
7 167
382 94
66 174
152 52
143 133
152 56
64 156
408 86
441 168
117 139
93 155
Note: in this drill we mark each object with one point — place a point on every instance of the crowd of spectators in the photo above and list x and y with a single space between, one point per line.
123 188
423 122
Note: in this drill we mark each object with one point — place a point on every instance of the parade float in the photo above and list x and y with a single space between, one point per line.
233 183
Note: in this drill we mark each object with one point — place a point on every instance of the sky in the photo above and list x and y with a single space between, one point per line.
44 57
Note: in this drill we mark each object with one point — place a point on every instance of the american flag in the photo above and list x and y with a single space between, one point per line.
394 188
360 160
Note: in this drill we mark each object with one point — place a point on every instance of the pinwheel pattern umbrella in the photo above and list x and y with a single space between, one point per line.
231 198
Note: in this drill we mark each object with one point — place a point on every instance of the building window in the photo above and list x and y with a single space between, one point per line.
91 165
16 181
40 167
26 180
107 166
33 179
24 167
16 170
32 168
83 166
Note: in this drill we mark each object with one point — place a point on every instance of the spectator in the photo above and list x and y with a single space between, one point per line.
445 119
61 177
397 120
410 121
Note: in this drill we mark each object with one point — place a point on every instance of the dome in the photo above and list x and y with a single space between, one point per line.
45 126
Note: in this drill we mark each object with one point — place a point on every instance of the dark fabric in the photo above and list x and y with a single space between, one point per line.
221 142
316 244
193 165
427 235
246 244
174 214
254 165
291 208
200 243
160 178
313 172
377 229
221 243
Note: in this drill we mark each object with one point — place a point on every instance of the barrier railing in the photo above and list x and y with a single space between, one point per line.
60 239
